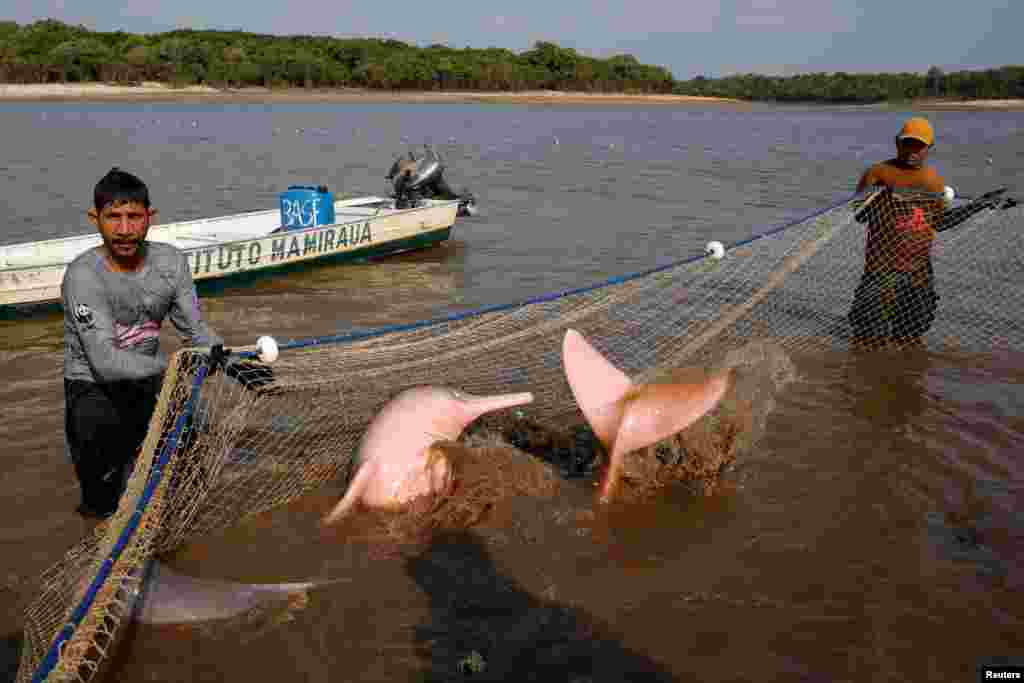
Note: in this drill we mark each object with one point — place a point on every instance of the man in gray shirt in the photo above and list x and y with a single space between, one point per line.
116 297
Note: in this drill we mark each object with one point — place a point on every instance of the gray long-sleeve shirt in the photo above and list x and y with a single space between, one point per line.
112 320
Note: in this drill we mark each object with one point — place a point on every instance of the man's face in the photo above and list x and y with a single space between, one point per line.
123 226
911 152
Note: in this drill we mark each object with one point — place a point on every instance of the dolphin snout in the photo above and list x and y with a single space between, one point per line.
486 404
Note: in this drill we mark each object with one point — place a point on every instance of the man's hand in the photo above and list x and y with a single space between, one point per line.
218 357
248 374
866 213
990 200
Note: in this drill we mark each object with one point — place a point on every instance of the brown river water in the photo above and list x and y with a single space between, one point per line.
875 533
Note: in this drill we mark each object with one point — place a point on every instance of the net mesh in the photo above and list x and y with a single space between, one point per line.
882 268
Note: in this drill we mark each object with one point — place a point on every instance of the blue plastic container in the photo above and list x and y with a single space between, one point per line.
304 206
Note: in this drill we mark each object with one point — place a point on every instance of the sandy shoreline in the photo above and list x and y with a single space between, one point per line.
1002 105
159 92
156 92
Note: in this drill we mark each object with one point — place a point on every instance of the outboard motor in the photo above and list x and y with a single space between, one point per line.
415 179
411 177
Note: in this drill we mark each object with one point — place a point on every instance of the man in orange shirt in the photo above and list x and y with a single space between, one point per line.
896 297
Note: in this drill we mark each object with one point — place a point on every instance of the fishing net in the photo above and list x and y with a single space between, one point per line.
878 269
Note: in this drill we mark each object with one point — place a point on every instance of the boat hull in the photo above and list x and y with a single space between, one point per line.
211 285
216 262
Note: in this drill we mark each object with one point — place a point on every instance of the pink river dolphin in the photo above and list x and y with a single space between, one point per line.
395 463
626 415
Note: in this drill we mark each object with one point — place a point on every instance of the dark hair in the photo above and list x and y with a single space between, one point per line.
119 186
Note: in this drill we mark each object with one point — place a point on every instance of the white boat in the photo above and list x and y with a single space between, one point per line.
239 245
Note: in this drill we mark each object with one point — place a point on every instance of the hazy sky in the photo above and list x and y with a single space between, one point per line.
689 37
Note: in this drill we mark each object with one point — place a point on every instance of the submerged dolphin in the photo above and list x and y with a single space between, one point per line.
165 596
168 597
396 463
625 415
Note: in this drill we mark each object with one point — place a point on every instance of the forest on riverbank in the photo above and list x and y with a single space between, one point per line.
50 51
845 88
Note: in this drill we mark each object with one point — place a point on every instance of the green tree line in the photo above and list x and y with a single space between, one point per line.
843 88
51 51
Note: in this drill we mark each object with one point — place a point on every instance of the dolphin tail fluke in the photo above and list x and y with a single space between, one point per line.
656 411
597 385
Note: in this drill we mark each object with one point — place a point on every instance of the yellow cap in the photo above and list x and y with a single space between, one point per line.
917 128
